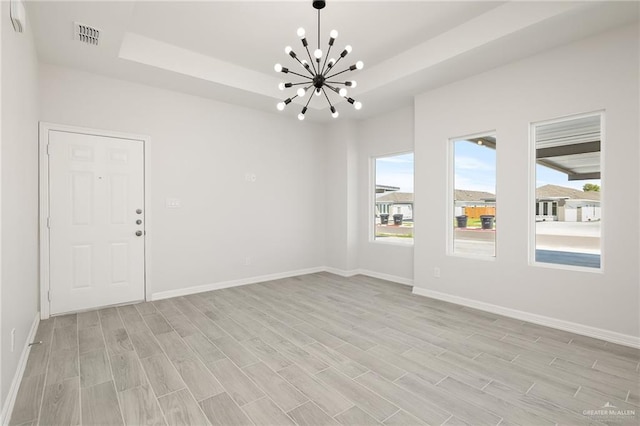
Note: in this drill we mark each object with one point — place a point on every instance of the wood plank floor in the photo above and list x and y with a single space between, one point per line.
320 349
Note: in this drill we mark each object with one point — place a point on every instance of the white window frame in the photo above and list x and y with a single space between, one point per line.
532 192
371 210
450 214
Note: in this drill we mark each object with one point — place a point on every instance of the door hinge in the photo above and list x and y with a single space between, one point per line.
49 296
48 149
49 222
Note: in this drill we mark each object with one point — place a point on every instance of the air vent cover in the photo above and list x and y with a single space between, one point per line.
86 34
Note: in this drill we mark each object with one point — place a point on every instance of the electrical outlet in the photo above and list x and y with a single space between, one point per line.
250 177
13 339
436 272
247 261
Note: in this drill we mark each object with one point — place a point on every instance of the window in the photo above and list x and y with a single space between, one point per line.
568 180
473 196
393 195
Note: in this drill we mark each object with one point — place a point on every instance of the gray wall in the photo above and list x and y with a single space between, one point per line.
341 190
19 199
589 75
391 133
200 151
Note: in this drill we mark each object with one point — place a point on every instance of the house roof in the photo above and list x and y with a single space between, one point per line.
556 191
396 197
386 188
461 195
466 195
546 191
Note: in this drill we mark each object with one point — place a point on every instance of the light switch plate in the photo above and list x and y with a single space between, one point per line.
173 203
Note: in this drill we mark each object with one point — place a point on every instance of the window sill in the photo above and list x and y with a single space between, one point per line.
392 243
563 267
473 256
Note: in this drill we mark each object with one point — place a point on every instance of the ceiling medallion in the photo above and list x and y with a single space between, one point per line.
320 78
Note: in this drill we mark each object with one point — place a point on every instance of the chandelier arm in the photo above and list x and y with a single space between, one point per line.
334 89
318 34
332 66
327 96
338 73
290 99
311 60
336 82
300 62
298 84
326 57
300 75
310 97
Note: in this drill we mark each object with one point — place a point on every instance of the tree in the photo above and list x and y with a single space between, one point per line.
591 187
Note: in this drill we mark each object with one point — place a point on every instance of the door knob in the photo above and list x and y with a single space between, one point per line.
139 222
139 211
138 233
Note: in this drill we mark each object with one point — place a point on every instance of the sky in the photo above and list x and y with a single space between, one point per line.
475 167
396 170
545 176
475 170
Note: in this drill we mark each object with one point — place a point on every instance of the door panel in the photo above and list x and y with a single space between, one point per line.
96 185
118 198
82 266
81 198
119 263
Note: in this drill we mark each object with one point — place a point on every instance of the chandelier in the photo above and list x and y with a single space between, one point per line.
321 78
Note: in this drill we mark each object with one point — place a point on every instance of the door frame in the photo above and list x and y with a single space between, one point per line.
43 194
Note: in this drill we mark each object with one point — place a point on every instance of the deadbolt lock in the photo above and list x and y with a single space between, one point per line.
139 211
139 221
139 233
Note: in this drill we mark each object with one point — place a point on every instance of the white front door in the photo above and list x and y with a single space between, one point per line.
96 221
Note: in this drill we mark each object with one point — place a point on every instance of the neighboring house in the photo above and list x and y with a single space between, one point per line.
558 203
474 203
394 202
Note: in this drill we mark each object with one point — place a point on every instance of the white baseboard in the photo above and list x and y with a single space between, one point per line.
340 272
233 283
262 278
386 277
598 333
585 330
7 407
368 273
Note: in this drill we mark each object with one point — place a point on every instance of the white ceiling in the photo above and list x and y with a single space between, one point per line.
226 50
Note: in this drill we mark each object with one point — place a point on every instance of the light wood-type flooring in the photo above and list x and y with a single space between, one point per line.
319 350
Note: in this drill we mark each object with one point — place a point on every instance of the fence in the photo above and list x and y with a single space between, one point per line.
476 212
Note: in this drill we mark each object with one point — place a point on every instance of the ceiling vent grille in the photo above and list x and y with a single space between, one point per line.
86 34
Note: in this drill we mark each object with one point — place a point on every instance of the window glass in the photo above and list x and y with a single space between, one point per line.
393 195
474 196
568 186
